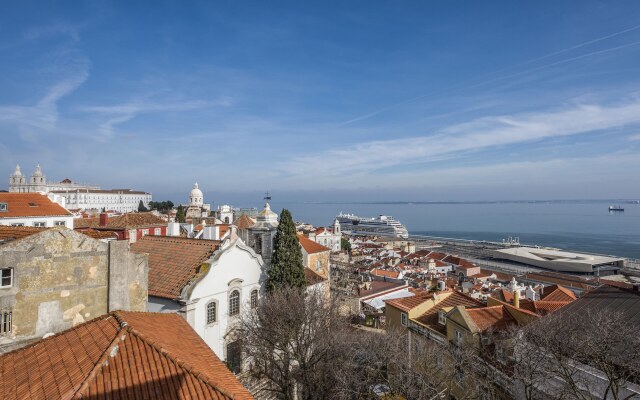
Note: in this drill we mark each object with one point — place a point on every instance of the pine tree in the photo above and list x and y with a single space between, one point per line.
180 214
141 207
287 268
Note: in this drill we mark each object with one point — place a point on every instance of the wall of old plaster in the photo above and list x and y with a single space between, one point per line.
61 279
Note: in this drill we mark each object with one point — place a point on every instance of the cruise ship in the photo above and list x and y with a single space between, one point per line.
379 226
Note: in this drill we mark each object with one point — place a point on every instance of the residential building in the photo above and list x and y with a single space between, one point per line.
32 209
130 227
208 283
56 278
316 259
121 355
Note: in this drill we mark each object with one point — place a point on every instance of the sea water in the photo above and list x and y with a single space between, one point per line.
586 226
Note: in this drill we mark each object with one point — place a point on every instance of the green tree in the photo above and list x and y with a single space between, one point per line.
141 207
287 268
345 244
180 214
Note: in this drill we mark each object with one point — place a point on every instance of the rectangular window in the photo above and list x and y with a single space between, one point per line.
59 223
157 232
133 236
403 319
39 224
254 298
17 224
3 207
459 338
211 312
5 322
6 277
318 265
442 317
234 356
145 232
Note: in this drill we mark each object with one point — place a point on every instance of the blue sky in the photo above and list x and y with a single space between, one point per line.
358 100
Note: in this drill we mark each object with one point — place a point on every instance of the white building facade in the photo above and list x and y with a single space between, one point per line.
78 196
213 302
32 209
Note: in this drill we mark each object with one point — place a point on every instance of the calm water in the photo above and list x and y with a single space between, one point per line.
581 226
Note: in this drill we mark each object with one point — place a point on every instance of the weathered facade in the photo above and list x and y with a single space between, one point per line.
60 278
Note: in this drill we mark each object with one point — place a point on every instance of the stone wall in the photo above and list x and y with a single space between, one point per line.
61 278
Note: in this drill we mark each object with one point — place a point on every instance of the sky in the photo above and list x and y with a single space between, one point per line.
326 101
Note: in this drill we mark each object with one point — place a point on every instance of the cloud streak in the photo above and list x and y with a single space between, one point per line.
476 135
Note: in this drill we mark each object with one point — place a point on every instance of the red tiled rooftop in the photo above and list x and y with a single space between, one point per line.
173 262
125 221
496 317
310 246
385 272
122 355
557 293
447 299
30 205
244 222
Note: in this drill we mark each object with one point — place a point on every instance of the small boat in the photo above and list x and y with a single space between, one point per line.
615 208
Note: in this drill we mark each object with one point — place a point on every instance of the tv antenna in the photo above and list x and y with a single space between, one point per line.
267 196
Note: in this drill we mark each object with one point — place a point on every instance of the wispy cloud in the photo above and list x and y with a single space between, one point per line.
121 113
44 114
55 28
478 134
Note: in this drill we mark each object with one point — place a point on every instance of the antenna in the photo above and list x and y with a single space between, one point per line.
267 196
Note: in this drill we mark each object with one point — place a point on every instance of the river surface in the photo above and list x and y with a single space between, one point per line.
572 225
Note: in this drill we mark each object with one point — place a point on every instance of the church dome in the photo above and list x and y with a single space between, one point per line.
38 171
17 172
267 215
196 197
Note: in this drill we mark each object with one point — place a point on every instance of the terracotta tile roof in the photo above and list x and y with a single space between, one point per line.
557 293
18 232
98 234
503 295
125 221
409 303
121 355
542 307
244 222
499 275
448 299
312 277
385 273
452 259
173 262
310 246
30 205
496 317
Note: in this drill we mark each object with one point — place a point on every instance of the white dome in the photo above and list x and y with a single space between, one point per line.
195 197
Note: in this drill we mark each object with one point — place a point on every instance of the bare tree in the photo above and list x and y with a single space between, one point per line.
585 355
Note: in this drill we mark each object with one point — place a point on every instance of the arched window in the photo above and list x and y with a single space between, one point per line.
254 298
212 313
234 303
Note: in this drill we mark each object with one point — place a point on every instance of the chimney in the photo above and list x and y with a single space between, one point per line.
104 219
516 299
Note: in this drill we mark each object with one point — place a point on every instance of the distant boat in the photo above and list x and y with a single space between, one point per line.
615 208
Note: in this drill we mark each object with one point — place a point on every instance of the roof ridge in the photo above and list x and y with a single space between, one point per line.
196 372
77 392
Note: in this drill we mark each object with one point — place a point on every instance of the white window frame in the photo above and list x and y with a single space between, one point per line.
157 231
2 270
442 317
215 312
404 319
234 309
4 207
18 224
459 337
59 223
6 323
40 224
318 265
253 302
145 232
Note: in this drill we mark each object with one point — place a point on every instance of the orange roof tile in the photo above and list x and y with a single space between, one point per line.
173 262
244 222
385 273
30 205
447 299
120 222
408 303
496 317
98 234
557 293
310 246
18 232
542 307
122 355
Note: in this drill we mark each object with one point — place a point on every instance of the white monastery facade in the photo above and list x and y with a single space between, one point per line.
76 196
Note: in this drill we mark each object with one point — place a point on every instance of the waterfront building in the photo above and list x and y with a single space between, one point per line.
78 196
32 209
559 260
53 279
209 283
